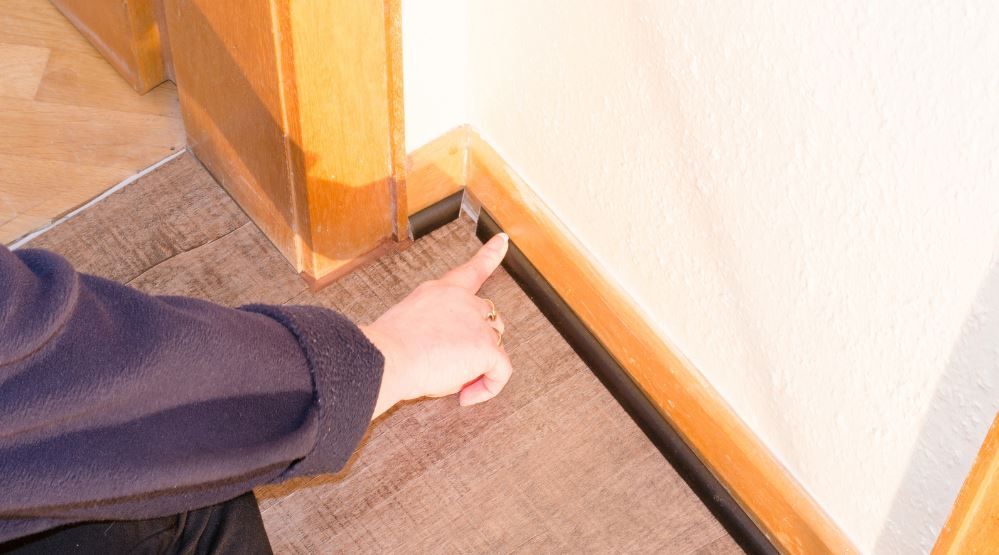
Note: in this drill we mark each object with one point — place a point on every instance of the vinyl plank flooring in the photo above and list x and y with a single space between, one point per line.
241 267
551 465
164 213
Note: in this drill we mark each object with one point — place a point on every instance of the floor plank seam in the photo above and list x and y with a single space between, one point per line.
185 251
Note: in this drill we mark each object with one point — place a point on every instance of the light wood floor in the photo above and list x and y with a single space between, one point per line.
70 126
553 465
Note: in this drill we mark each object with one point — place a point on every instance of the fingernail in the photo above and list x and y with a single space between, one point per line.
498 242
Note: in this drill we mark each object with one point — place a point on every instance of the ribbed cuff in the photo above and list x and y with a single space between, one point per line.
346 375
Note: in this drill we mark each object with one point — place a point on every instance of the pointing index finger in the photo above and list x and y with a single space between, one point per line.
472 274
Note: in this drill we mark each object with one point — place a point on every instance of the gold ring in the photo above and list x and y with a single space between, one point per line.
492 315
499 337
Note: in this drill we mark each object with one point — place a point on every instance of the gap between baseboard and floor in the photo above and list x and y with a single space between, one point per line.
724 462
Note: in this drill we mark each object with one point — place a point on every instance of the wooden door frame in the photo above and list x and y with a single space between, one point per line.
294 106
127 33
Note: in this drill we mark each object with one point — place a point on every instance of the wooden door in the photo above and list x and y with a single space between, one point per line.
126 32
295 106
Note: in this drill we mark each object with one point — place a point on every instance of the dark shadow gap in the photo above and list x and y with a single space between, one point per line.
642 411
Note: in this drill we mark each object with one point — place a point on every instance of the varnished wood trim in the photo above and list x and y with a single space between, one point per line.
762 486
973 526
226 64
641 410
397 117
437 169
127 34
384 249
335 81
296 108
159 12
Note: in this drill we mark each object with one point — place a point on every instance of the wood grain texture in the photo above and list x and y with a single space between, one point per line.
289 106
397 117
552 463
240 267
232 109
165 213
15 225
90 136
782 508
437 169
176 232
43 188
21 69
126 32
973 526
86 79
39 23
340 125
71 127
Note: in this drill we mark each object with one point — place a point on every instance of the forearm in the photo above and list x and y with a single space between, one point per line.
123 405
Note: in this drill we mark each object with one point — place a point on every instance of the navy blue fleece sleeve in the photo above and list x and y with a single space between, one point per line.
115 404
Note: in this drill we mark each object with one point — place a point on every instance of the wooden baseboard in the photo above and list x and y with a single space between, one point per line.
973 526
437 169
778 505
642 411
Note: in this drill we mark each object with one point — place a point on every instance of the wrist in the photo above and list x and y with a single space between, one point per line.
389 392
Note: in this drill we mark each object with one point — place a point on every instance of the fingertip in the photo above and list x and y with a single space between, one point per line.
500 242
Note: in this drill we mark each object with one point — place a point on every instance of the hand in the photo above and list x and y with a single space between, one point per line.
438 341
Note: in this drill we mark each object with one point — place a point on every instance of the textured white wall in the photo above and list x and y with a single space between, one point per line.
435 63
805 199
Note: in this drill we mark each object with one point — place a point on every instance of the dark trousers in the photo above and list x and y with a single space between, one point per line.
227 528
